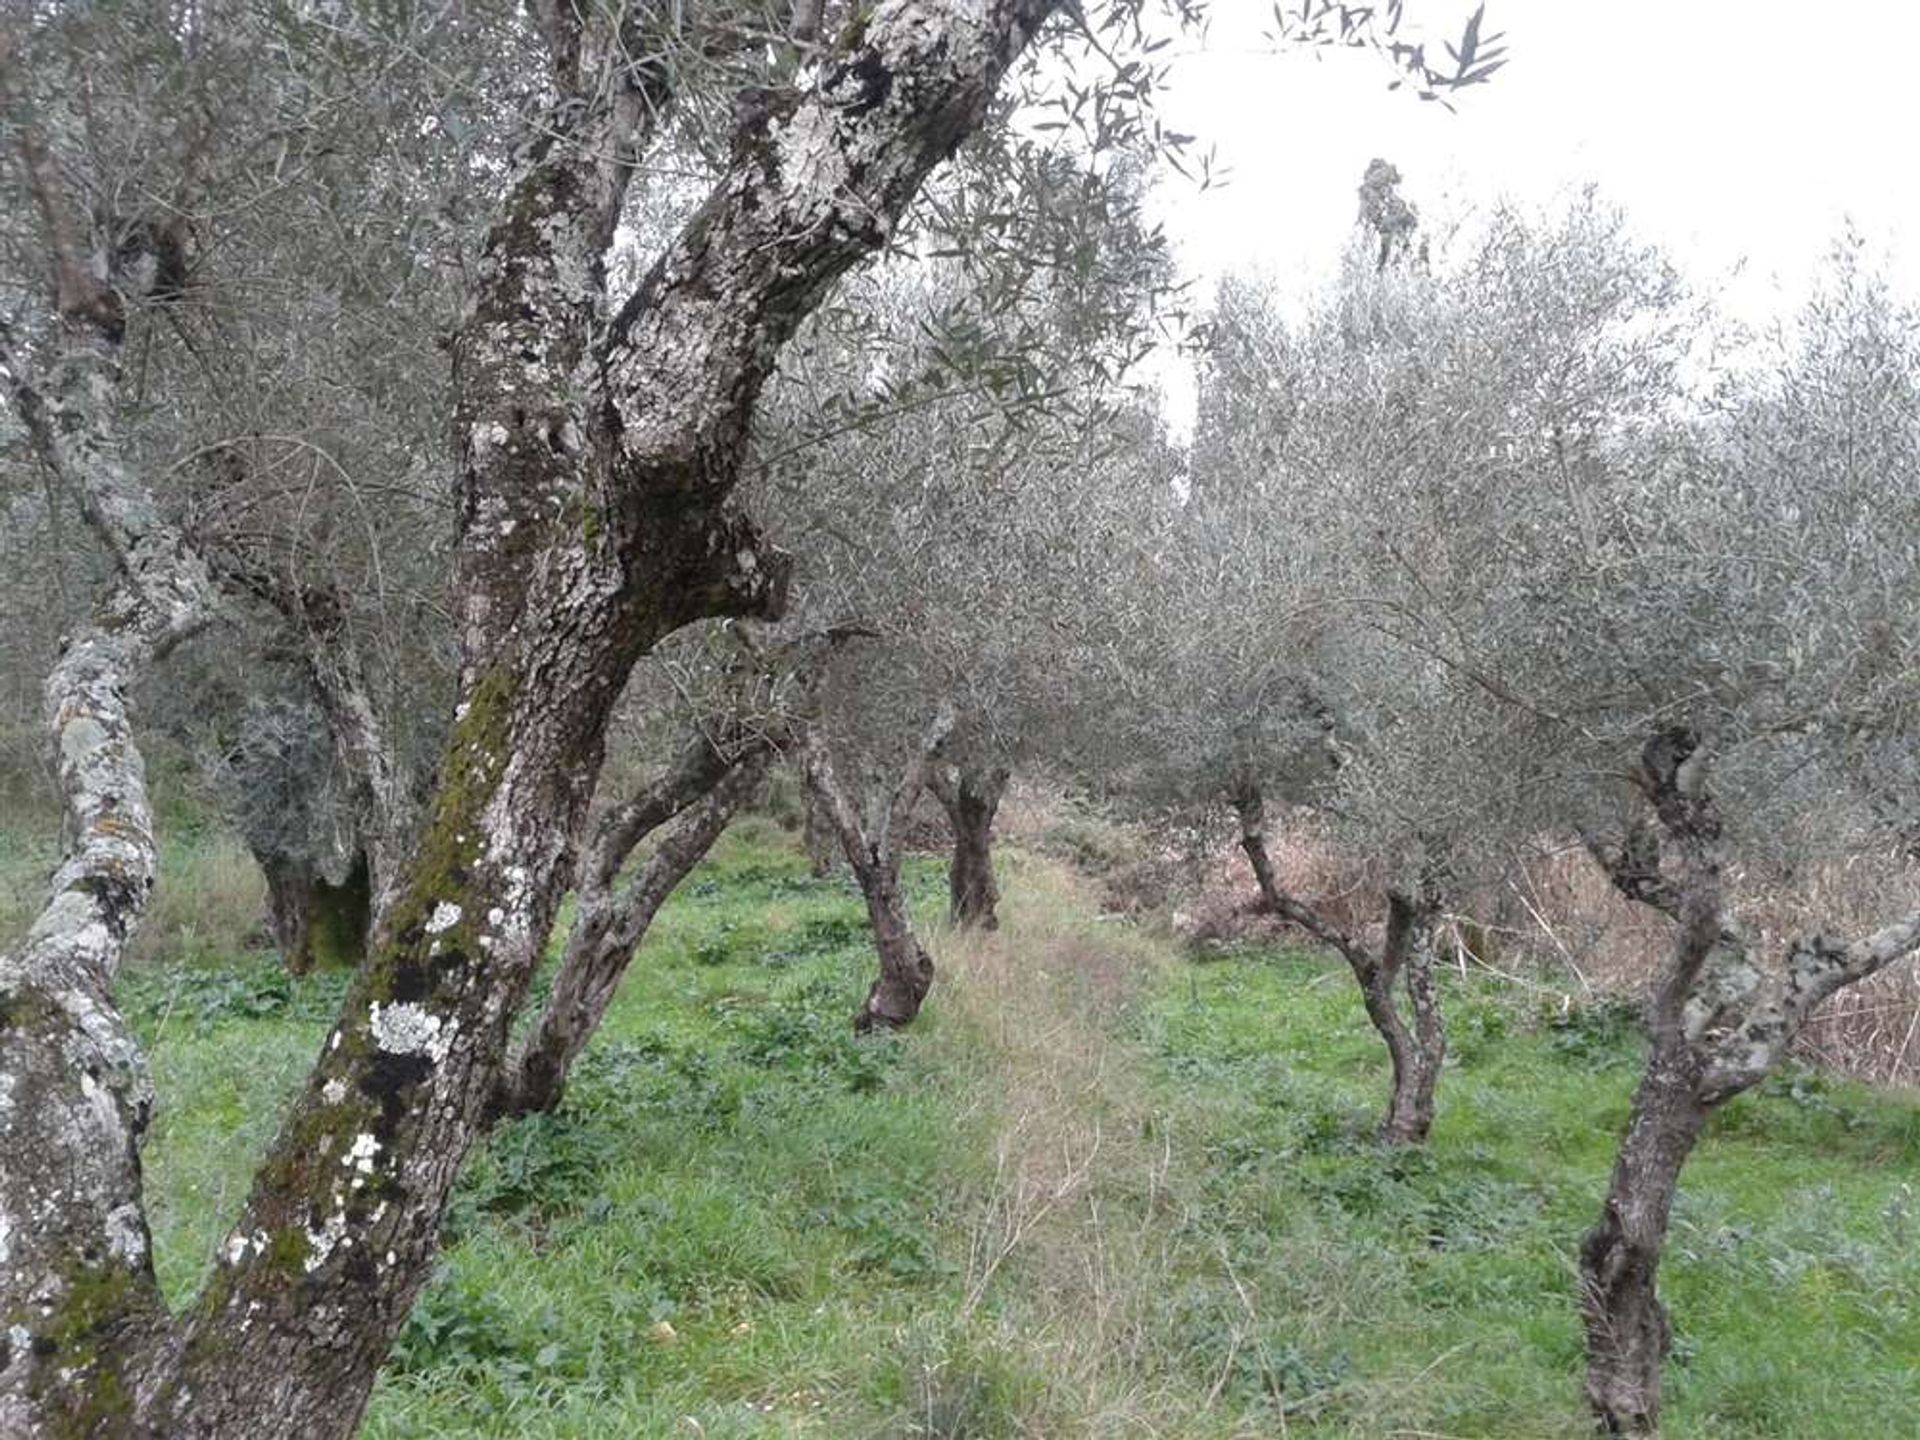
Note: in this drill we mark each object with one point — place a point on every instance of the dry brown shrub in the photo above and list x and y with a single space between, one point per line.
1561 911
1556 915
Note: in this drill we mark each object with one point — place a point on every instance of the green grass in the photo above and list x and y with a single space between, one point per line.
1100 1189
1433 1291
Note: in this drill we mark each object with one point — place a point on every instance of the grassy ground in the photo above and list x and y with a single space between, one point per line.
1100 1190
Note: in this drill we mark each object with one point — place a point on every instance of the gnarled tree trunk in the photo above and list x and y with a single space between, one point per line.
1717 1024
971 798
1418 1051
906 970
1628 1333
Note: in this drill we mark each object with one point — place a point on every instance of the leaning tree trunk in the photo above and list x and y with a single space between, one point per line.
971 798
609 925
906 970
1628 1333
1417 1051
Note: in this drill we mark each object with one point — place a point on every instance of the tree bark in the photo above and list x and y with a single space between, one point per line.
819 836
906 970
1417 1052
82 1323
1627 1328
971 798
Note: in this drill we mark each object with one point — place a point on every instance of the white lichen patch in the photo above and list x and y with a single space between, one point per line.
404 1028
235 1250
334 1091
360 1155
322 1242
445 916
126 1235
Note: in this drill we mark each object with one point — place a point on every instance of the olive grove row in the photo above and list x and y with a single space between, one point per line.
785 353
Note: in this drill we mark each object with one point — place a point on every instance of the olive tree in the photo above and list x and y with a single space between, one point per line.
1668 616
924 527
1756 593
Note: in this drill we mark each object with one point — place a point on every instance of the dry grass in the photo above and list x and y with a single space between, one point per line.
1571 916
1068 1238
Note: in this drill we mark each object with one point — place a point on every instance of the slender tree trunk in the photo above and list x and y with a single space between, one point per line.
971 798
607 929
1417 1051
1628 1333
906 970
1250 806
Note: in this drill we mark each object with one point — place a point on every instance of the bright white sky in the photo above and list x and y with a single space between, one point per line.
1733 135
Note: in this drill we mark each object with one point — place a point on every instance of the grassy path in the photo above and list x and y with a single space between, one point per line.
1101 1190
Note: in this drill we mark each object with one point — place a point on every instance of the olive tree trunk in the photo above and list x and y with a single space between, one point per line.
906 970
971 798
700 797
1628 1332
317 925
1718 1022
596 458
1406 960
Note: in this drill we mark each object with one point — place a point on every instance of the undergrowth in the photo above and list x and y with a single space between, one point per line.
1101 1189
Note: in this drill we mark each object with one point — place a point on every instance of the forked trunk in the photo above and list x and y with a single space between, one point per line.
1717 1024
971 799
906 970
609 925
1628 1333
